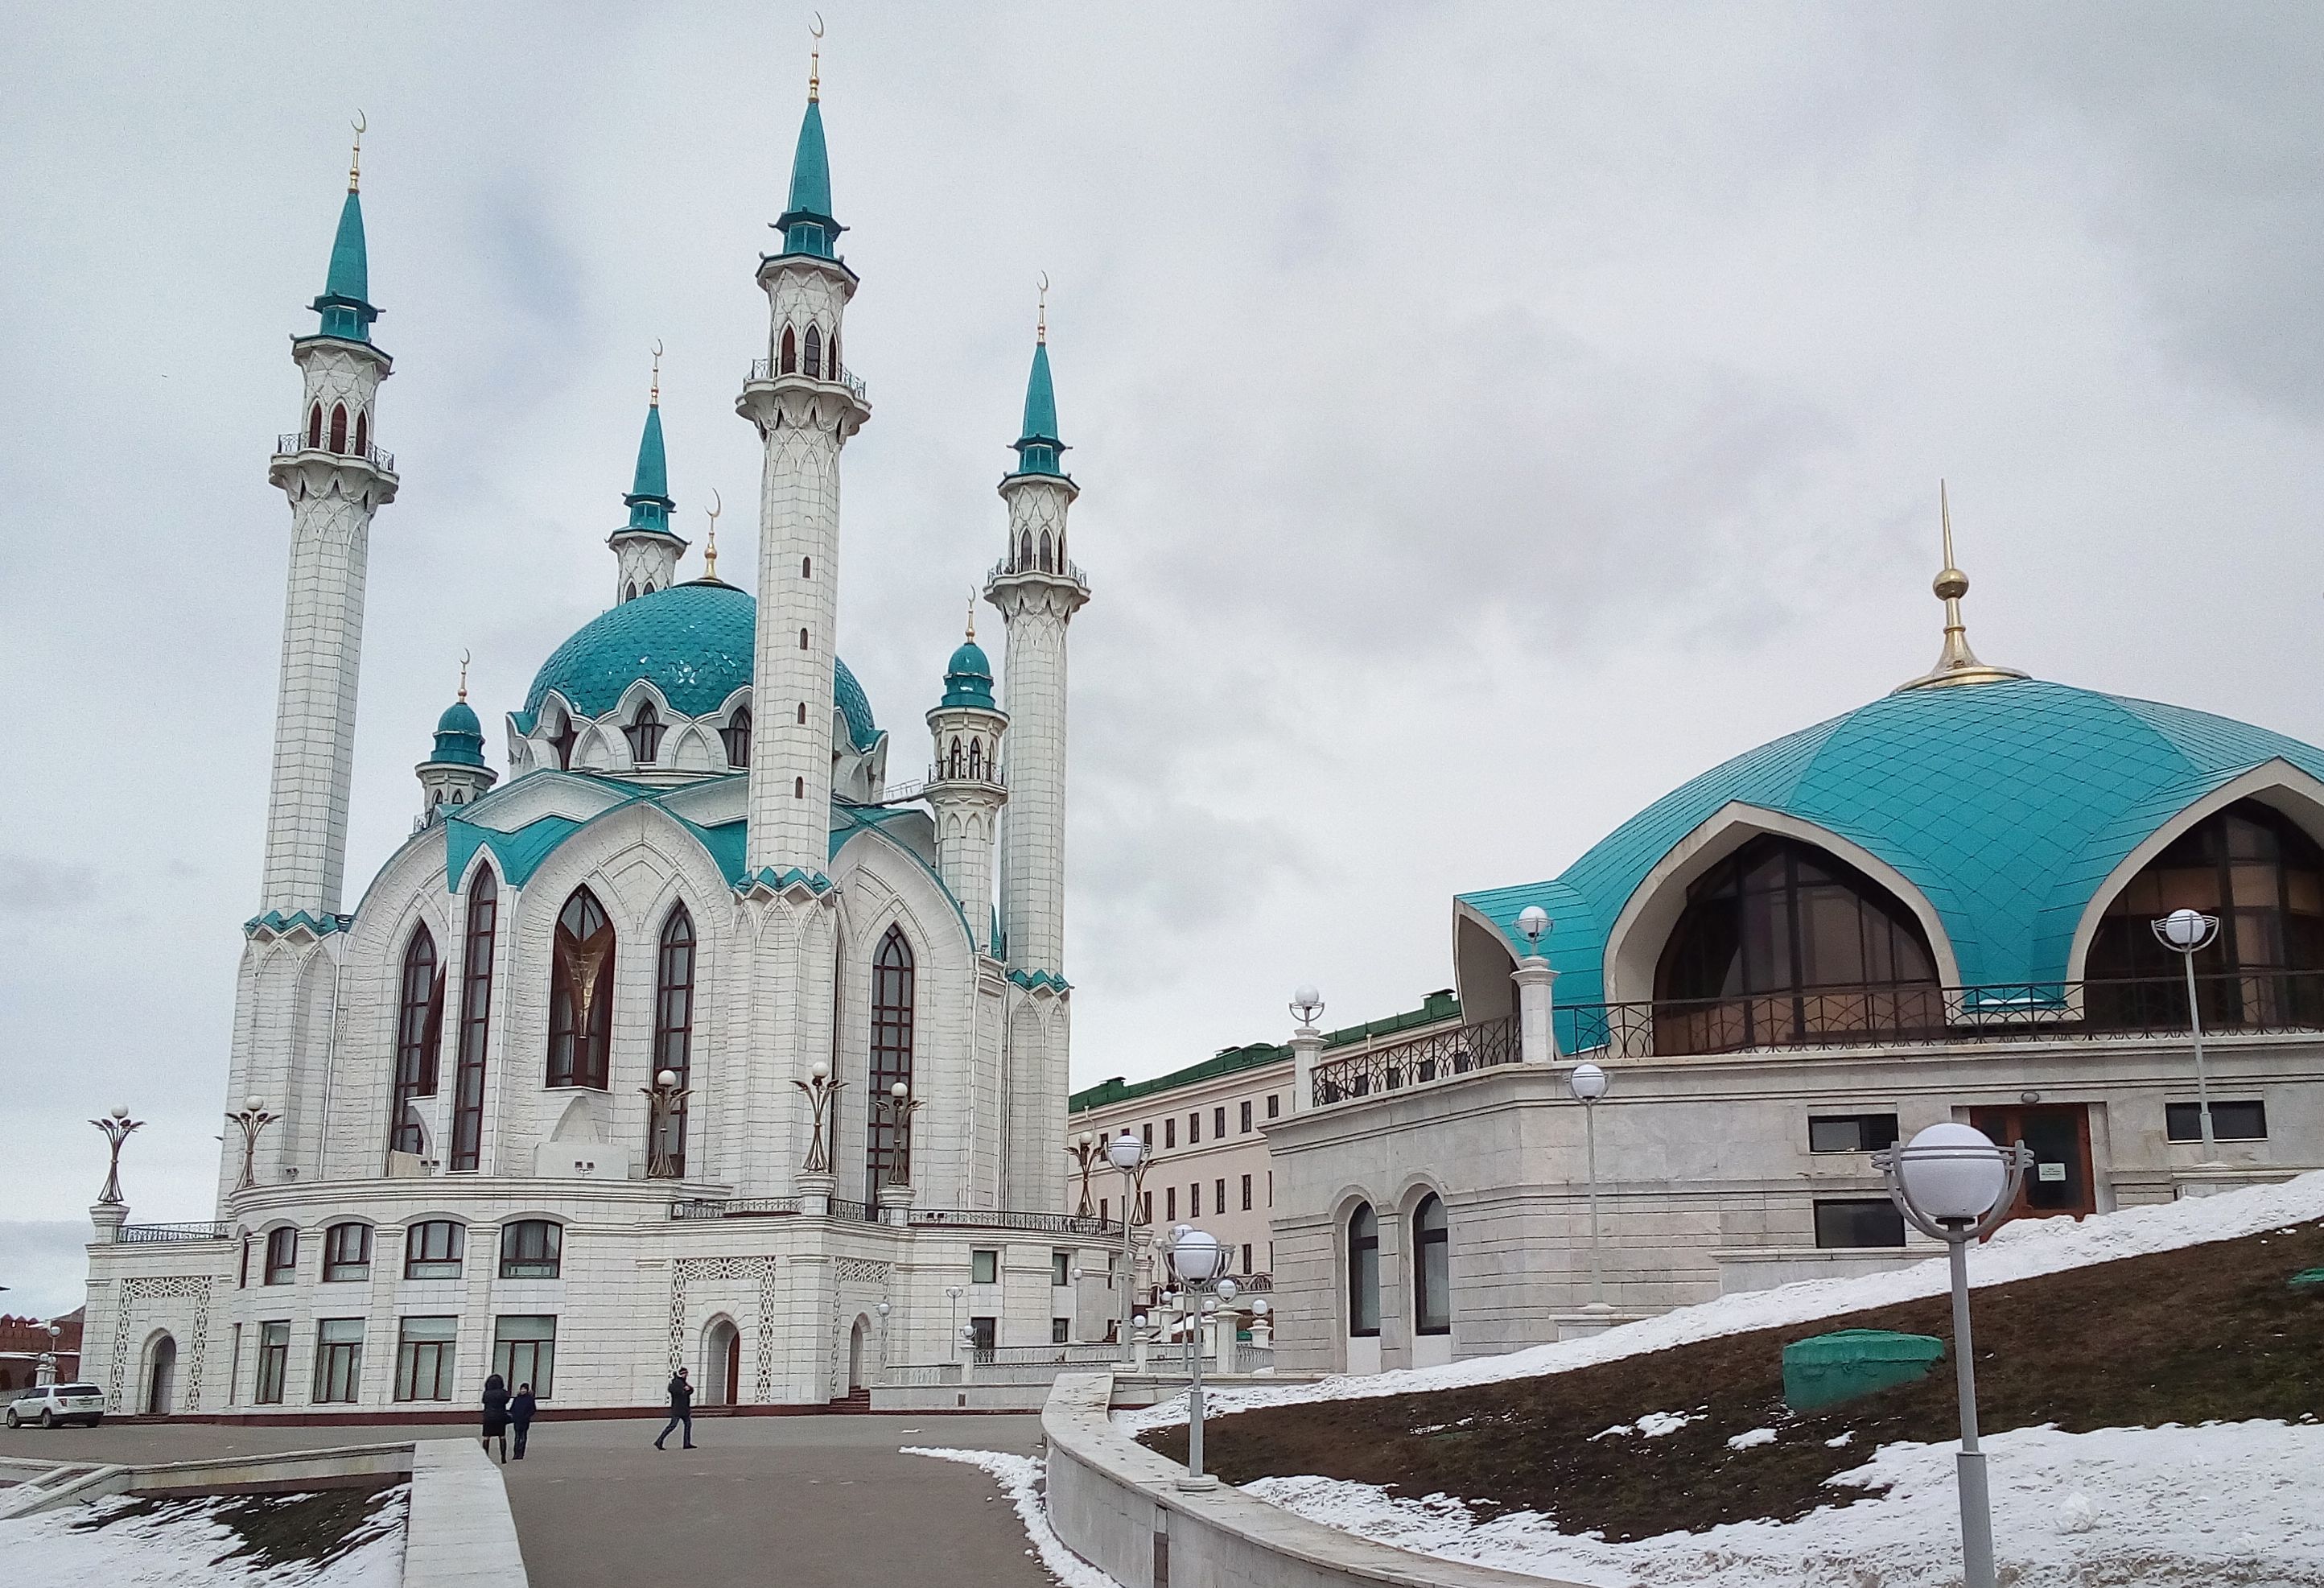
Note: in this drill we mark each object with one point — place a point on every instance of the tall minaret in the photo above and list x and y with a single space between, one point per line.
1038 591
963 788
335 479
647 547
806 406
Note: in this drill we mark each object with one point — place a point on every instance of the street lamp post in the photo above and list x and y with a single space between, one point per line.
1127 1153
955 1292
900 1105
664 1098
1197 1257
116 1127
252 1120
1957 1186
1087 1151
1589 1083
2188 931
819 1089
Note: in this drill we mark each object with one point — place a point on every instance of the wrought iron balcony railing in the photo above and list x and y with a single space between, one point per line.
1011 568
155 1235
1002 1218
1391 1067
378 457
763 369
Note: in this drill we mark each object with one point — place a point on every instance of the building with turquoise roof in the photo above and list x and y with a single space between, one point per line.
688 1037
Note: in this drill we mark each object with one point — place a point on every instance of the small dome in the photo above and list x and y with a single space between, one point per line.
692 642
968 677
459 736
458 718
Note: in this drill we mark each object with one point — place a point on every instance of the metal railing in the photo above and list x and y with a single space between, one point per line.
1086 1354
741 1208
378 457
155 1234
1007 568
1002 1218
1922 1013
763 369
1390 1066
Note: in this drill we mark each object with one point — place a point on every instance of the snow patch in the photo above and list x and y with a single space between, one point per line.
1757 1436
183 1544
1019 1477
1652 1425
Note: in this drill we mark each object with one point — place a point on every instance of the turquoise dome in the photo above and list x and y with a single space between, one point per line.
2007 805
968 677
692 642
459 736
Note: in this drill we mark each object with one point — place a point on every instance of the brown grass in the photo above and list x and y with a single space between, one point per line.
2205 1333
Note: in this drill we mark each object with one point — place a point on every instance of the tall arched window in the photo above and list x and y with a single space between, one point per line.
1044 552
802 639
807 567
1363 1271
832 360
1431 1275
1782 944
581 994
673 1047
315 426
565 738
802 711
644 733
798 787
1025 550
790 352
891 1051
976 758
737 734
475 1019
953 763
813 363
2262 876
419 1032
362 432
338 427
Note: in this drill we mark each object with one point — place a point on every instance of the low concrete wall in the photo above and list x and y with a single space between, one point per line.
282 1473
1116 1504
460 1534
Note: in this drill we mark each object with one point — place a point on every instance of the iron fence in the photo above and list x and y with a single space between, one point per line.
763 369
155 1235
741 1208
1001 1218
378 457
1009 566
1390 1066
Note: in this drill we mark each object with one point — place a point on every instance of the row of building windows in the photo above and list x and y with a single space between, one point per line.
530 1249
335 437
524 1354
1244 1120
1432 1273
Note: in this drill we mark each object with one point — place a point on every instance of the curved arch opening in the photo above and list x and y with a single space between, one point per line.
418 1038
1432 1271
886 1154
674 1030
721 1363
161 1374
1363 1272
338 427
788 358
581 994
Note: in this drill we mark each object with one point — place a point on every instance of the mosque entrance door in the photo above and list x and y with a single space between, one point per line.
2059 1181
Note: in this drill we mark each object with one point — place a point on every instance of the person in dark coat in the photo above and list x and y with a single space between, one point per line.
681 1409
521 1410
496 1414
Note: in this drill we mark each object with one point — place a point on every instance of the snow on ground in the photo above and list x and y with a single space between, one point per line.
2225 1505
1020 1478
182 1545
2018 1250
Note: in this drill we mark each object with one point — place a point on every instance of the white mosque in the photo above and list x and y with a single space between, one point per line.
696 1041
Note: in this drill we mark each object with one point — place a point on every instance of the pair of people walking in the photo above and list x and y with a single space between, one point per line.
503 1411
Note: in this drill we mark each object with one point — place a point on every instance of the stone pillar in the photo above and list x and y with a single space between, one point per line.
1536 1033
108 1217
1306 1047
815 1192
896 1205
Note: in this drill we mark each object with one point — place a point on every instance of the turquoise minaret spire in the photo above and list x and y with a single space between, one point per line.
345 305
807 222
1039 447
647 547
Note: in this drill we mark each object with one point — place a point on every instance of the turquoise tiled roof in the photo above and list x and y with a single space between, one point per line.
968 677
2006 804
693 641
1039 447
345 304
806 222
459 736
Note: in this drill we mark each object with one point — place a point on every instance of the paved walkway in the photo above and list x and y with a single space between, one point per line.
805 1501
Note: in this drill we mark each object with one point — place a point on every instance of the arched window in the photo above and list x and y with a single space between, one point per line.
807 567
814 360
532 1249
362 432
798 787
346 1253
802 712
564 739
630 591
1044 552
1363 1271
2262 876
648 589
673 1047
419 1036
976 758
644 733
476 1020
1781 944
834 360
315 426
737 734
1025 550
1432 1276
953 762
581 994
432 1250
892 1052
338 427
802 639
790 351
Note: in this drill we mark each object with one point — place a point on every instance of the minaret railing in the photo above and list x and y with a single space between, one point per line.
295 441
763 369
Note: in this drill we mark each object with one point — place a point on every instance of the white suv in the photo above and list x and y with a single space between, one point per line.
53 1404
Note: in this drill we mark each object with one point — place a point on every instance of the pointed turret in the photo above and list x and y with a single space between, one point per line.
963 788
646 547
807 222
346 303
1039 447
455 772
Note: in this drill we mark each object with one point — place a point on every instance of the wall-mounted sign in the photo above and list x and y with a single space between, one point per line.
2050 1171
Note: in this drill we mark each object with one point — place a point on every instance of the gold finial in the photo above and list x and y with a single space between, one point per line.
815 61
355 161
1041 324
464 675
653 398
972 616
1955 663
710 546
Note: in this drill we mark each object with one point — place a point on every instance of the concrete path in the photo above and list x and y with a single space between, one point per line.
803 1502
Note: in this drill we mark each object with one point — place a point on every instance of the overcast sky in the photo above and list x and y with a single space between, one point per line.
1488 416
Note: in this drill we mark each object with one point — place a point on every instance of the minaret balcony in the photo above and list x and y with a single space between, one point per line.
764 370
292 443
1059 571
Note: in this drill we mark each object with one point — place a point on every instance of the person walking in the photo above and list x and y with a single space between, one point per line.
681 1409
521 1410
497 1415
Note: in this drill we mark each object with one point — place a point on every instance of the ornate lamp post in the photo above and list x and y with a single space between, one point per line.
1956 1186
253 1119
1589 1083
1127 1153
1086 1151
2188 932
820 1088
899 1105
664 1099
1197 1257
116 1127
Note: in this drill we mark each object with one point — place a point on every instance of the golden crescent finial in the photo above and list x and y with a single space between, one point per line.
710 547
464 675
655 396
815 61
972 616
355 161
1041 324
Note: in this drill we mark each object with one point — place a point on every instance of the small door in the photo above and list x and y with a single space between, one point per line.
162 1377
856 1357
2059 1180
733 1366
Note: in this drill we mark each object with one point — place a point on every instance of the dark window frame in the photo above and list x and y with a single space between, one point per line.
526 1358
338 1362
427 1360
984 1265
281 1256
418 1040
1872 1131
2183 1122
273 1362
737 734
437 1245
581 982
1362 1233
476 1020
675 961
1850 1216
532 1249
1432 1293
894 1003
645 730
340 1265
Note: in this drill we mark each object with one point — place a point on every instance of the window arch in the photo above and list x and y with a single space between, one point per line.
737 734
630 591
976 758
1363 1271
564 740
581 994
419 1036
1432 1276
475 1019
892 1052
362 432
2262 874
802 639
532 1249
953 762
813 363
1783 943
338 427
807 567
673 1048
346 1253
798 787
1025 549
1045 553
315 426
832 361
648 589
645 732
802 711
790 351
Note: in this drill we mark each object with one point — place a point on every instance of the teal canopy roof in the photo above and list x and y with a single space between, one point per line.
345 304
459 736
806 222
968 677
1039 447
692 642
2007 805
648 500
